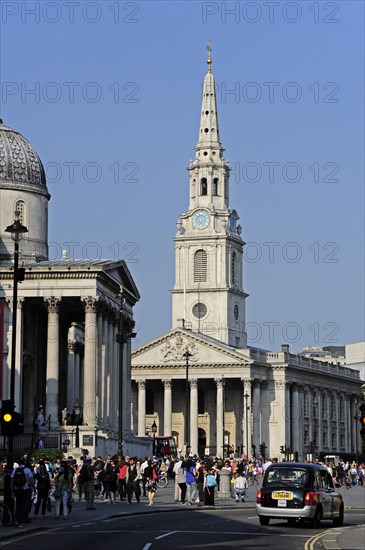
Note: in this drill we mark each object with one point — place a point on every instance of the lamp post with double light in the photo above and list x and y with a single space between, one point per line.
77 411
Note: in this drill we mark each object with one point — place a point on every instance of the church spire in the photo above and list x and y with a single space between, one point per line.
208 143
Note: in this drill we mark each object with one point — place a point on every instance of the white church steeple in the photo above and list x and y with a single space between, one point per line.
208 295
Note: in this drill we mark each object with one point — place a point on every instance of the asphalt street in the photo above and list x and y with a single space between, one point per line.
168 524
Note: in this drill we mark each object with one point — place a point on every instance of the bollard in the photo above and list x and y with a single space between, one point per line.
224 484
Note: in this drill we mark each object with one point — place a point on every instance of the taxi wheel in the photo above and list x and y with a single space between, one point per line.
316 520
337 522
264 520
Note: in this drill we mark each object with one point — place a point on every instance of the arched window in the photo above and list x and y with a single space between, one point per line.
200 266
234 268
203 186
20 207
201 401
150 402
215 187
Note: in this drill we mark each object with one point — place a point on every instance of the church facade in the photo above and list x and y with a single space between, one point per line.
224 394
72 349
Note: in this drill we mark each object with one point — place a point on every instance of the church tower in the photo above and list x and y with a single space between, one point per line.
208 295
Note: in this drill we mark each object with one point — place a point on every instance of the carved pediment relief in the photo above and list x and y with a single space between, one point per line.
174 349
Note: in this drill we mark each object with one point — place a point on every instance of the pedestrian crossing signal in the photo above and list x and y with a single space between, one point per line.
12 423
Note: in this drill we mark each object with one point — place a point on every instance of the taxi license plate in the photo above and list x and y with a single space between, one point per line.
283 496
282 503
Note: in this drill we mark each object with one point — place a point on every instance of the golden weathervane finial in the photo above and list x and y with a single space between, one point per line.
209 62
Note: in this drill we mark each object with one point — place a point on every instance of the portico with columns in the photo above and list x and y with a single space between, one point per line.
226 385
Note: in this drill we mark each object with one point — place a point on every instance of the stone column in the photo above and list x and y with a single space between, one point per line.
347 431
296 419
247 439
141 407
71 368
219 423
338 423
77 390
256 415
167 402
52 384
288 420
320 422
90 362
310 411
193 416
18 354
103 368
353 425
114 380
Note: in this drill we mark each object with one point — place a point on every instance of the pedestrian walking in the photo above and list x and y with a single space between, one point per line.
132 480
122 481
43 485
63 484
151 476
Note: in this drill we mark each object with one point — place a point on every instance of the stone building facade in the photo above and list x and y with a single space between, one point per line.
230 394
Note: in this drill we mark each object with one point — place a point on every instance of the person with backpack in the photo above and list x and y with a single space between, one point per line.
210 484
22 485
43 485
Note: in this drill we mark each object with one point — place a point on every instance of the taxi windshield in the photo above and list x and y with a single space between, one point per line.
286 476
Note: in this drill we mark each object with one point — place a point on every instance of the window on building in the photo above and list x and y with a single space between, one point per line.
324 439
333 408
200 266
234 268
306 438
203 186
150 402
215 187
315 406
20 207
324 406
342 410
333 440
342 441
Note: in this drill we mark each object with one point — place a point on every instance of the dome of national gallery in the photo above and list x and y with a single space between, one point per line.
19 161
23 189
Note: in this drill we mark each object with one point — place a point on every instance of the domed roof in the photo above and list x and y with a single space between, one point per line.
19 161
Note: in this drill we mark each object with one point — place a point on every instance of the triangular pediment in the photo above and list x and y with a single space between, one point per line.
169 349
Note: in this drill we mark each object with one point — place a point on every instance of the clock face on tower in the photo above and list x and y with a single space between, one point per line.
200 219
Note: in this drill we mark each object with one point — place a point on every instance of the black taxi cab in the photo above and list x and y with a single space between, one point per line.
295 491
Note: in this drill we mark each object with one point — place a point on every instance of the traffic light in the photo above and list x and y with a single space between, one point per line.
20 274
282 449
362 418
7 417
12 423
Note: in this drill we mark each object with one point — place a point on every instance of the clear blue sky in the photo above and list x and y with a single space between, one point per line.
118 85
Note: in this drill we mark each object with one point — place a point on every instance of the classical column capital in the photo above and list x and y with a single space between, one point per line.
220 382
52 304
193 383
167 383
141 384
91 304
9 302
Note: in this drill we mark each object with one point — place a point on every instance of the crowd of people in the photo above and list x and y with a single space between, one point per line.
127 479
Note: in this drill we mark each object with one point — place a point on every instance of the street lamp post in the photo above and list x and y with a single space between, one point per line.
187 356
16 229
77 410
154 431
247 408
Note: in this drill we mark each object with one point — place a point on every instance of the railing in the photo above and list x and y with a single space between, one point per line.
305 362
50 440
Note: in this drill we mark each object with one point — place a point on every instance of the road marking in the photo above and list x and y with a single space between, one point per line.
147 546
166 535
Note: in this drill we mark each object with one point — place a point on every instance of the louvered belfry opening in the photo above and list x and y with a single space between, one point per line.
200 266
